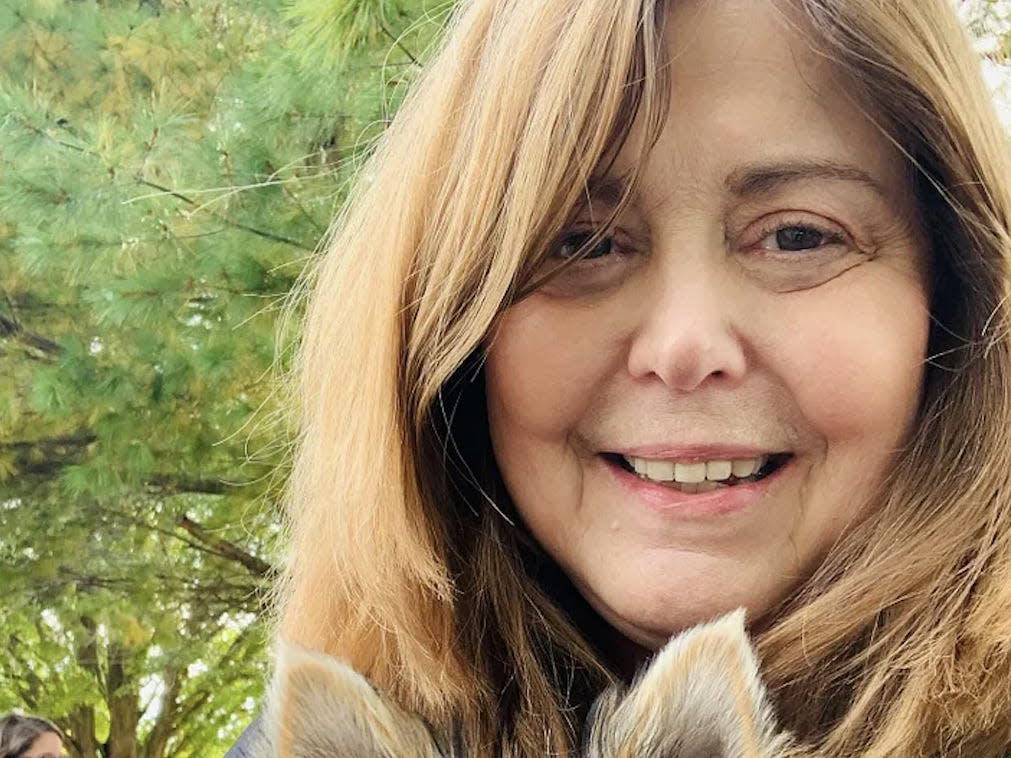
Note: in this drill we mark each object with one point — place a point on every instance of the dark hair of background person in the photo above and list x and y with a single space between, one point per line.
18 733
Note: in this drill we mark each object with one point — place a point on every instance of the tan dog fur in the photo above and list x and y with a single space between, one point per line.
700 697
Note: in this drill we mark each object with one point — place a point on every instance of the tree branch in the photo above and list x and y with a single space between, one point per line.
69 440
46 455
39 347
398 43
224 219
29 684
167 484
257 567
178 195
165 724
43 133
199 698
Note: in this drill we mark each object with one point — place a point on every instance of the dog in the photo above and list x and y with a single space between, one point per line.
700 697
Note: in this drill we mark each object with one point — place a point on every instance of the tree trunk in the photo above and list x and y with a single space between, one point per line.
83 743
124 707
82 719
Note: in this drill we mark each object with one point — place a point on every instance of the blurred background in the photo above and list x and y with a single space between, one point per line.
167 170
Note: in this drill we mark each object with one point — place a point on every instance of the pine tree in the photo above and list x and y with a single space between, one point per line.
167 168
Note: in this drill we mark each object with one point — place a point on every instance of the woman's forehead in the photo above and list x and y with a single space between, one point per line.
752 102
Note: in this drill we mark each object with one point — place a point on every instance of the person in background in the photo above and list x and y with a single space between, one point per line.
29 737
655 397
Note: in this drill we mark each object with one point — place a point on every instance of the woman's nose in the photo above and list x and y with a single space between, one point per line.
687 333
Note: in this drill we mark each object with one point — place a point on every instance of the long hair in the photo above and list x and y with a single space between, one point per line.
901 642
18 733
407 561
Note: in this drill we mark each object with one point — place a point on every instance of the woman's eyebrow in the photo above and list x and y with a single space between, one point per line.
607 191
758 179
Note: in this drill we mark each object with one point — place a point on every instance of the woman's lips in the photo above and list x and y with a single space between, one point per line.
666 498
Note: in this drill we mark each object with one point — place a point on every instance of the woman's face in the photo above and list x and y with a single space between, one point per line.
761 305
48 745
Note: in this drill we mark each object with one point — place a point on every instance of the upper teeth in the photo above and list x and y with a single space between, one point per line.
696 471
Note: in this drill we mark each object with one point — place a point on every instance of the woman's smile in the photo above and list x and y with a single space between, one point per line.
696 488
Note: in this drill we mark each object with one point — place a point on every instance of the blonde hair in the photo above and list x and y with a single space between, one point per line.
405 561
901 642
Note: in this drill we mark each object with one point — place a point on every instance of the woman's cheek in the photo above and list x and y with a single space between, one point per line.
545 367
854 359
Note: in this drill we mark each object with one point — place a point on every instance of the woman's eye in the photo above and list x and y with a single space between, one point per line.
572 244
583 262
797 238
790 254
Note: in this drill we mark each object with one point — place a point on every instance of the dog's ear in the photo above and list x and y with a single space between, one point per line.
322 708
701 697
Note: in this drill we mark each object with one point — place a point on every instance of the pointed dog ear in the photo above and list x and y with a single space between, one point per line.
322 708
701 697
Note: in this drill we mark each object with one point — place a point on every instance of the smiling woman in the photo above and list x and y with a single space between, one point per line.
759 300
646 315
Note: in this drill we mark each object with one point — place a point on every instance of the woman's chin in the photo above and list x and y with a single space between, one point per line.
651 625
